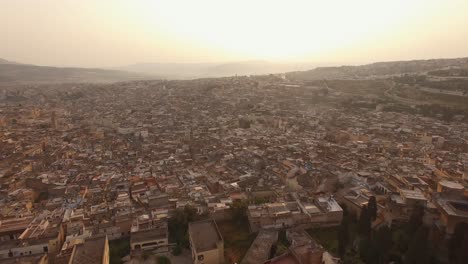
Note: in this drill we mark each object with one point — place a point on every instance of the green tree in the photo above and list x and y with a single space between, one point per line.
364 224
178 225
190 213
400 240
259 200
416 219
163 260
455 241
462 252
367 251
118 249
177 250
458 244
418 250
42 197
352 257
343 235
239 211
282 239
383 243
372 205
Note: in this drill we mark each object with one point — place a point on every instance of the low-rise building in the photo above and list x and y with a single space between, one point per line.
324 211
206 242
92 251
452 212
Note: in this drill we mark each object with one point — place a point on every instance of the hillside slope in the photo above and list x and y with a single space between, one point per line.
22 74
381 69
204 70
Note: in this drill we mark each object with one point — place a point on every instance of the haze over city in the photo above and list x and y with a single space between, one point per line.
111 33
225 132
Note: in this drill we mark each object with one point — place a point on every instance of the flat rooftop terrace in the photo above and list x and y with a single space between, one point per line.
259 251
204 235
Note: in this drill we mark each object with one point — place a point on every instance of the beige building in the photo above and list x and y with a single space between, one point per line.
152 239
260 250
92 251
40 237
206 242
450 189
322 211
452 212
149 233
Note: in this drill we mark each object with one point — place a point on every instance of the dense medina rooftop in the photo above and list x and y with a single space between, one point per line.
139 162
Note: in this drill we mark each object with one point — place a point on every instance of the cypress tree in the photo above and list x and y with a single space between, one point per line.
416 219
383 243
364 224
418 250
343 237
372 208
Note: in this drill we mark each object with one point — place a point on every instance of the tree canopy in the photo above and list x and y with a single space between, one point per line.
364 224
372 208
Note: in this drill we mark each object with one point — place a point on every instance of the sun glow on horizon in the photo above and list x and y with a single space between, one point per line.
282 30
119 32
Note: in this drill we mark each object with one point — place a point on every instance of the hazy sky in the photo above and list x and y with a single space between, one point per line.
99 33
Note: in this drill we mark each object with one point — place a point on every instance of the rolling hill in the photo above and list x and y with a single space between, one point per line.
378 69
203 70
15 73
3 61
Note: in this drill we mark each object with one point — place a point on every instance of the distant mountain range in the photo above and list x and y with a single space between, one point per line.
14 73
17 73
379 69
3 61
203 70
